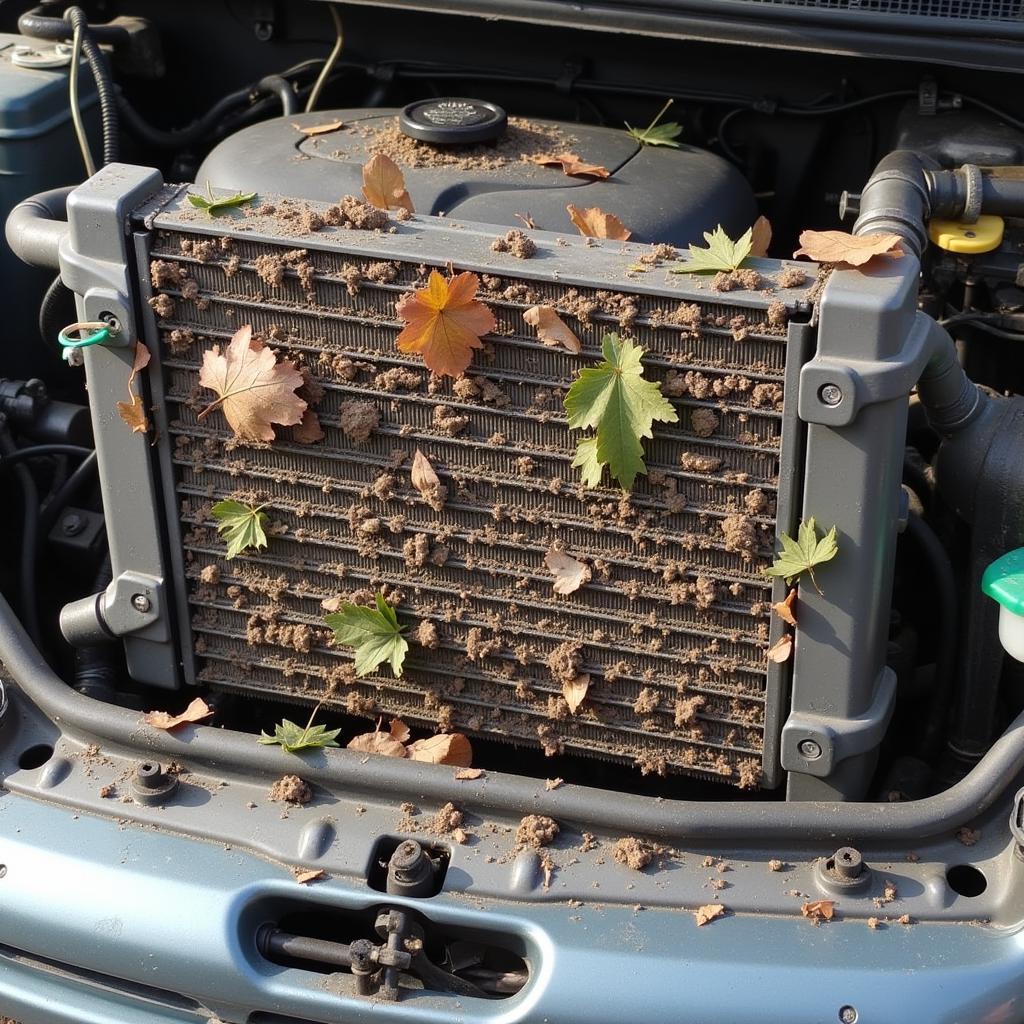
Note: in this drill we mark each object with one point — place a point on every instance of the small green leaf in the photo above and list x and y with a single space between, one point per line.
240 525
294 738
613 399
658 134
375 635
214 204
803 554
722 253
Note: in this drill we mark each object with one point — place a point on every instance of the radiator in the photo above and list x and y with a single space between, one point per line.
673 627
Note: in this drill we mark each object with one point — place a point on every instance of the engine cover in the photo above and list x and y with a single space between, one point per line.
661 194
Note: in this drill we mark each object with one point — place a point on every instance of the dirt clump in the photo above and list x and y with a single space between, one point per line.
792 277
704 422
565 661
516 242
536 830
351 212
427 635
358 420
740 536
291 789
448 421
447 820
733 280
634 853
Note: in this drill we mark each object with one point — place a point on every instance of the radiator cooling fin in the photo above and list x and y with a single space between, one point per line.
674 625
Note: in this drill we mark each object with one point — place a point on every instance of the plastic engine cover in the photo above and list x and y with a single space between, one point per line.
660 194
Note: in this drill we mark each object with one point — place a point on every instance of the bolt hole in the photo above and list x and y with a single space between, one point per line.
966 880
3 870
848 1014
969 234
145 768
35 757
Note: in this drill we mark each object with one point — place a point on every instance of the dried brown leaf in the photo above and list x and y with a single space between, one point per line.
575 690
306 875
468 774
133 412
383 184
781 650
571 165
331 604
526 219
784 609
318 129
818 910
840 247
551 328
761 237
444 748
309 430
708 913
399 730
570 574
377 743
595 223
550 784
422 476
197 711
253 389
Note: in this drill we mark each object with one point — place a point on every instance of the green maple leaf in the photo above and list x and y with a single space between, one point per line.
294 737
613 399
722 253
214 204
240 525
803 554
374 633
657 134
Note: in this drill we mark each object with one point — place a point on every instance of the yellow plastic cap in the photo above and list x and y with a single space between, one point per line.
954 236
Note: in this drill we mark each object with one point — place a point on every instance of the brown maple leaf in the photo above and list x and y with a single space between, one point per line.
784 609
570 574
571 165
253 389
306 875
444 322
781 650
444 748
761 237
308 430
551 328
383 184
595 223
575 691
840 247
318 129
133 412
197 711
818 910
399 730
703 915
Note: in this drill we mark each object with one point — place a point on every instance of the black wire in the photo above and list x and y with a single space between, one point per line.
29 537
97 62
37 451
982 322
62 497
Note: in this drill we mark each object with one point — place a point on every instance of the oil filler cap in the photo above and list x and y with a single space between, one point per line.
983 235
452 121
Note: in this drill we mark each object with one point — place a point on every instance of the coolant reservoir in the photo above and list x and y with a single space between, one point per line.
1004 582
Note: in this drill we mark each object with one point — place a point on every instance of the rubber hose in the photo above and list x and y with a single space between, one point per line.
97 62
41 26
29 536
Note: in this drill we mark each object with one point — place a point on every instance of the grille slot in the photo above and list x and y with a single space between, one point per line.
674 626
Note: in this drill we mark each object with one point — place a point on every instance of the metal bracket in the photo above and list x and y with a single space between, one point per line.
834 390
815 744
133 604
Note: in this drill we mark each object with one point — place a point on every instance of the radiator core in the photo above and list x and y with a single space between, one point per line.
674 625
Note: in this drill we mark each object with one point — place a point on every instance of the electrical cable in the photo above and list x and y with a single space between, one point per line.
38 451
67 490
332 59
76 110
105 92
981 321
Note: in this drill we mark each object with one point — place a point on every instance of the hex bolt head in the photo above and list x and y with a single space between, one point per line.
848 862
72 524
141 603
830 394
809 749
407 857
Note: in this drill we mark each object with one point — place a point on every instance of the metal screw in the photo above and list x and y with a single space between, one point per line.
72 524
810 749
848 862
970 234
830 394
141 603
848 1014
112 322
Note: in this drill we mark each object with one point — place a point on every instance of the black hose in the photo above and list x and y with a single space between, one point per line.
53 508
29 538
53 311
672 821
281 88
97 62
41 26
96 665
944 596
37 451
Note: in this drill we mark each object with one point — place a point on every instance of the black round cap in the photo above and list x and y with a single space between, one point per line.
452 121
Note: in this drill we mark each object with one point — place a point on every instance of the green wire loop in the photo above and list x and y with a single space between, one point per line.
100 333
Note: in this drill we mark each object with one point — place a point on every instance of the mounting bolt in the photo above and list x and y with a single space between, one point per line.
847 862
360 955
141 603
72 524
809 749
848 1014
151 785
830 394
